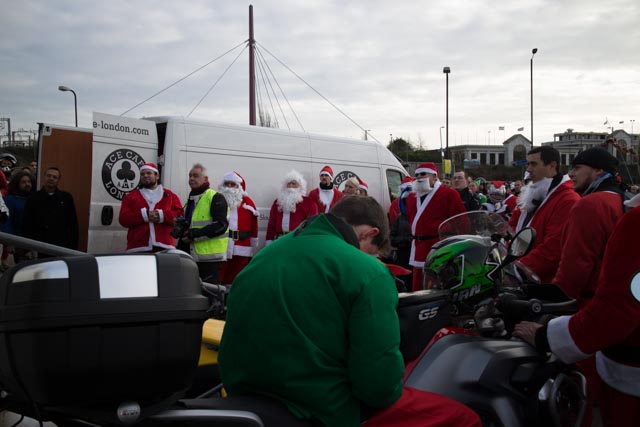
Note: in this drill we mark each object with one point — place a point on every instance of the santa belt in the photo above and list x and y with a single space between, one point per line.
624 354
239 235
425 237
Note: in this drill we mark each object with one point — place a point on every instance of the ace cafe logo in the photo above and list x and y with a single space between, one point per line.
121 172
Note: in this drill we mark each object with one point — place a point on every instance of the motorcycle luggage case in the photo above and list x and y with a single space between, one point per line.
100 328
421 315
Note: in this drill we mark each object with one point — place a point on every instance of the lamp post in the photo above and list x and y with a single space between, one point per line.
75 99
446 71
533 52
632 120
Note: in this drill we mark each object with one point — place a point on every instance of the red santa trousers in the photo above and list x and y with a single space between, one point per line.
417 408
232 267
417 279
618 409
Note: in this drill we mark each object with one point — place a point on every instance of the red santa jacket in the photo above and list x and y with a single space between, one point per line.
510 202
144 235
549 221
394 211
322 208
584 239
243 222
425 217
278 219
610 323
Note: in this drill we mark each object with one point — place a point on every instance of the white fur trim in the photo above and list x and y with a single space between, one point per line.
251 209
622 377
267 242
426 170
255 242
294 175
363 187
561 342
232 177
145 215
633 202
149 168
246 251
161 215
286 219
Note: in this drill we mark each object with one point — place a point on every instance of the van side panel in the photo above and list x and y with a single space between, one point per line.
120 146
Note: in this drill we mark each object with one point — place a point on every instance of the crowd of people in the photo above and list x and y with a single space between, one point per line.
333 303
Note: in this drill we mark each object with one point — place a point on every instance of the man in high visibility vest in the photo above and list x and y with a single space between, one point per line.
206 238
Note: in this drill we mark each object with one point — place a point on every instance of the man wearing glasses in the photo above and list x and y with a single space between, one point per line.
429 205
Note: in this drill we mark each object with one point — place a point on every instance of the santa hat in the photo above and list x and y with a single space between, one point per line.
149 167
327 171
234 176
407 182
363 185
294 175
427 167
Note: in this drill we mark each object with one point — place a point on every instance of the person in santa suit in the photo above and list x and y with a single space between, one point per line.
427 207
510 202
243 226
363 188
598 211
290 208
609 326
326 195
545 206
405 189
149 212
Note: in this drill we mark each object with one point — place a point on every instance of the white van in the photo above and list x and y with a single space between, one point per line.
262 156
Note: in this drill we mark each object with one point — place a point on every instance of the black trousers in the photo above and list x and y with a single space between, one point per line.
210 271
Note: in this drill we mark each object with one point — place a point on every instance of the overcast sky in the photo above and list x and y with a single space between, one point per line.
379 61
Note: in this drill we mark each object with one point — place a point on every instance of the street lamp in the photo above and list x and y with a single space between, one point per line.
75 99
632 120
446 71
533 52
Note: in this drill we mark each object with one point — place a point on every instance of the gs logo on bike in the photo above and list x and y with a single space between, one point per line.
428 313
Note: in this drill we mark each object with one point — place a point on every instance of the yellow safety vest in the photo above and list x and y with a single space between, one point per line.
214 249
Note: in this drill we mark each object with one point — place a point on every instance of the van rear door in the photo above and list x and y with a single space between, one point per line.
120 146
69 149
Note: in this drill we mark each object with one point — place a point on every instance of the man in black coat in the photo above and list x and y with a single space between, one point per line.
50 214
469 200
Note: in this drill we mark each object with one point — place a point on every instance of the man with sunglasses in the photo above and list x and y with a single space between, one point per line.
427 207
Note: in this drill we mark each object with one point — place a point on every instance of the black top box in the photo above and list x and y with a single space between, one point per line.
90 329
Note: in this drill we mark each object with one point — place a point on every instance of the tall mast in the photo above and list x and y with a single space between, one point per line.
252 71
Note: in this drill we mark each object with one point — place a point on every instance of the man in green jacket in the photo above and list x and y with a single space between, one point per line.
312 320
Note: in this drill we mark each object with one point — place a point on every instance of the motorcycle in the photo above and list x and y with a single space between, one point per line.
477 362
502 396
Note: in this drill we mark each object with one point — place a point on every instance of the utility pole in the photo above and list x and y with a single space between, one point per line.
252 71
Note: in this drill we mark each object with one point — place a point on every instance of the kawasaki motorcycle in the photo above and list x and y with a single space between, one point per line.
476 362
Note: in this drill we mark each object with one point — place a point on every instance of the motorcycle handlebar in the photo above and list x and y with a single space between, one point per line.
510 303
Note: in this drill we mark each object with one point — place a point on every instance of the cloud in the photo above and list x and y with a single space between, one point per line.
379 62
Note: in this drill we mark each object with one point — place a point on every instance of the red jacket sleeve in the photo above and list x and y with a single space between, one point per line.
130 215
545 256
271 225
613 314
584 240
175 209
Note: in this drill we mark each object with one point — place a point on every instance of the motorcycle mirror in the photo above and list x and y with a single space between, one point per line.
522 242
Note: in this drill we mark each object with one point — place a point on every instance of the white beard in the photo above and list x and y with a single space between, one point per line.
288 199
422 186
534 191
232 195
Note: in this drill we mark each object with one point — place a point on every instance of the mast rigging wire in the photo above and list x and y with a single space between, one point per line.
185 77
